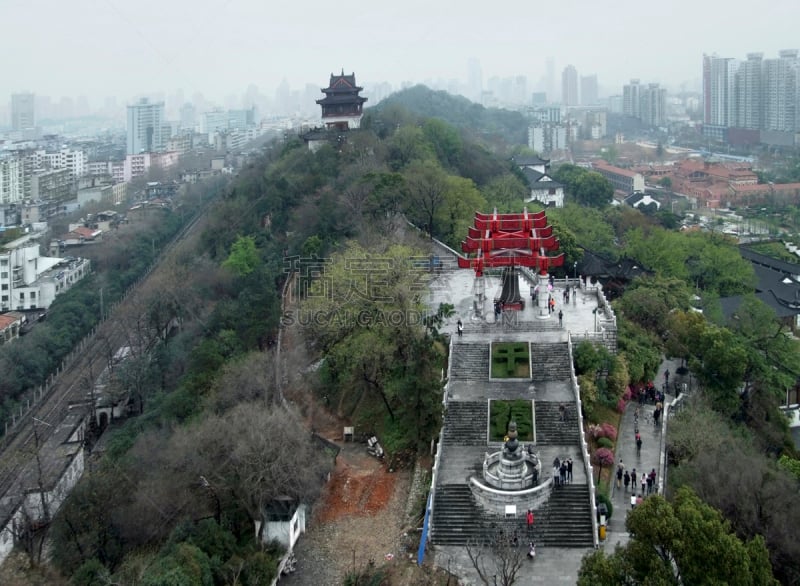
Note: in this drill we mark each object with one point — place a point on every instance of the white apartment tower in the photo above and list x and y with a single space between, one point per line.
780 84
145 127
749 92
719 74
631 98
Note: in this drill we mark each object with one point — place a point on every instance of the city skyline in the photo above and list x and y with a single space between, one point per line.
124 50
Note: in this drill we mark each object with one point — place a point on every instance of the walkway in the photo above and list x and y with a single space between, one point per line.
651 457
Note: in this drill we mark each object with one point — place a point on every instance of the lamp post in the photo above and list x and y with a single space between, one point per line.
575 269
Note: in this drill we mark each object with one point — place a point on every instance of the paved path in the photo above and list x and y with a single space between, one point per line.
650 457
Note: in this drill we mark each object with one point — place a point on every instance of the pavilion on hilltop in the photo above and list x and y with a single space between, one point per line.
342 107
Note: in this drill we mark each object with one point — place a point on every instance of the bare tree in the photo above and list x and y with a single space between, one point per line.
499 558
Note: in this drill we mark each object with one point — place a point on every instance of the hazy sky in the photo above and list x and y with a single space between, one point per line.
110 47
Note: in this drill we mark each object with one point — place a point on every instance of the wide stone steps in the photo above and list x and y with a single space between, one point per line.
550 361
511 323
567 519
465 423
457 520
564 522
470 361
550 430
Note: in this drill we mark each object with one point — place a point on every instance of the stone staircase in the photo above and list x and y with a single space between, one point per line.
550 361
567 518
457 520
564 522
511 323
550 430
465 423
470 361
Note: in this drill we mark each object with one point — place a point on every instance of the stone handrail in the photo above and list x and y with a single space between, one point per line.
584 449
437 458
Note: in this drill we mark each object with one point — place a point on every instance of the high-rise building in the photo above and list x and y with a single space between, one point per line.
22 111
569 86
719 104
748 92
631 98
780 84
653 106
589 94
145 127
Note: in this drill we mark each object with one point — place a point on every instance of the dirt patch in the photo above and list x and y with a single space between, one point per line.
360 485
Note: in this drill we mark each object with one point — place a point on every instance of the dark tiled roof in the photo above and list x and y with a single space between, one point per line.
634 198
763 259
534 160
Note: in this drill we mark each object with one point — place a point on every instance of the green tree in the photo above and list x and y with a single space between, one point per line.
672 543
426 189
243 258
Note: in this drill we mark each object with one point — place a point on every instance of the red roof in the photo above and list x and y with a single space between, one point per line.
612 169
7 320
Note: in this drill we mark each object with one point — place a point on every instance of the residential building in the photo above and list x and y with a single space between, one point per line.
589 93
544 188
145 127
75 160
22 111
719 104
11 180
547 137
653 106
31 281
780 85
623 180
569 86
631 99
215 121
10 325
54 185
748 92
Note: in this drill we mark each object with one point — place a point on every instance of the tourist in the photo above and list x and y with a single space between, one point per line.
460 327
638 445
556 470
639 500
569 470
620 469
562 412
666 378
633 500
644 482
652 478
531 551
529 520
627 480
649 484
563 471
560 319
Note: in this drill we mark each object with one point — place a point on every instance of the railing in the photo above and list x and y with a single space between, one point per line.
584 450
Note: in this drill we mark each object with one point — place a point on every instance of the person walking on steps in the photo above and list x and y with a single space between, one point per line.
529 520
638 445
460 328
560 319
627 480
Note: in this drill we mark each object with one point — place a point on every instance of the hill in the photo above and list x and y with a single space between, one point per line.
460 112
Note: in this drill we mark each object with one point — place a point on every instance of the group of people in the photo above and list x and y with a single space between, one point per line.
647 482
562 471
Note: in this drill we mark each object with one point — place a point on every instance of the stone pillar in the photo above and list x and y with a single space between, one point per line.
544 281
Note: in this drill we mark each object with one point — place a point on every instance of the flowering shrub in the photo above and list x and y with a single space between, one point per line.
609 431
595 431
621 406
626 396
604 457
